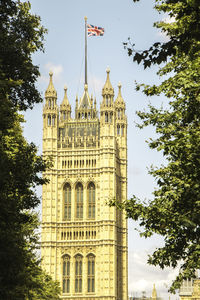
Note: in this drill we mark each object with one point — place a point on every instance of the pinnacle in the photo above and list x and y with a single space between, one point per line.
51 92
65 99
119 100
108 89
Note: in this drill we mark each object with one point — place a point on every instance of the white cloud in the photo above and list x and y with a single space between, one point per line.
57 73
56 69
43 80
143 276
168 20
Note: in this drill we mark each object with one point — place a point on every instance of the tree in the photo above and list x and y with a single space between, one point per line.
21 276
21 34
174 211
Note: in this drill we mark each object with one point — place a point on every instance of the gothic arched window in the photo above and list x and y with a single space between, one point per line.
66 274
118 129
122 130
91 274
119 114
53 120
67 202
106 117
111 115
49 120
78 273
79 201
91 200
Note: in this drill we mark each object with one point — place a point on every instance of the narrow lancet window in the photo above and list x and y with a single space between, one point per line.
106 117
122 130
67 202
53 120
66 274
78 273
79 201
91 200
91 274
118 129
49 120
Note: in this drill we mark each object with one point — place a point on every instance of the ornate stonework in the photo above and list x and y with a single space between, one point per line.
84 241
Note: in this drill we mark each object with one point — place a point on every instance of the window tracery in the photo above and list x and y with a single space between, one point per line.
91 200
66 274
91 274
67 202
79 201
78 273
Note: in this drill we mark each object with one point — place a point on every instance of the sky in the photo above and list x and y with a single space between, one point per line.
64 55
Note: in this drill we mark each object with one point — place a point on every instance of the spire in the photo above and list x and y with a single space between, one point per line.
50 91
119 101
154 293
108 89
65 107
65 101
85 101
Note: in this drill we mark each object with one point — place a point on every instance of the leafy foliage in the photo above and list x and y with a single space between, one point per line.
183 33
21 34
21 276
20 170
175 209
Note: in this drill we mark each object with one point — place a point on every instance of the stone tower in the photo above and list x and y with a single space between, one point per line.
84 241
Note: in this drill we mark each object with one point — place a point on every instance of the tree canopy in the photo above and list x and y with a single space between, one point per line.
175 208
21 34
21 277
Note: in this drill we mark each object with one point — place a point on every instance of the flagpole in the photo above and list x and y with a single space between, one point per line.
85 50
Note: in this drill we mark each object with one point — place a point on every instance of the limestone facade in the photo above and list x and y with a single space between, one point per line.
84 241
190 289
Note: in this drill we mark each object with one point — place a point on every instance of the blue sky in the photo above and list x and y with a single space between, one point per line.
64 55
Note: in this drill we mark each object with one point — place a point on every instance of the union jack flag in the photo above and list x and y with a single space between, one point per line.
94 30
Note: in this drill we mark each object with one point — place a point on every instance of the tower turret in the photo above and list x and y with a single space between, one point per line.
51 93
50 115
121 120
65 107
107 105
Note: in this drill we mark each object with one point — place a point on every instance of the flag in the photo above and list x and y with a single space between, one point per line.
94 30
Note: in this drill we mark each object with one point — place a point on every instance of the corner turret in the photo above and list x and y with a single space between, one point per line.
107 104
50 114
120 106
50 91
